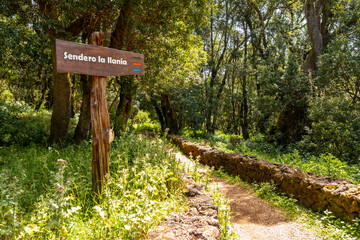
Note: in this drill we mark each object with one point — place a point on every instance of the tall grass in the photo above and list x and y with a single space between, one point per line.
46 193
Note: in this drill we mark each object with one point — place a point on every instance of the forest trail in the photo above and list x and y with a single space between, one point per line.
254 218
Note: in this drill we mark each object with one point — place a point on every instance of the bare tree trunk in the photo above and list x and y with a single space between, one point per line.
158 112
124 108
244 122
83 126
169 114
60 118
317 29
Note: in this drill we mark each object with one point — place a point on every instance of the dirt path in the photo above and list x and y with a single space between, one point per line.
254 218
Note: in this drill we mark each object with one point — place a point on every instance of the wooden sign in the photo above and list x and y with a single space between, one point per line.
99 62
96 61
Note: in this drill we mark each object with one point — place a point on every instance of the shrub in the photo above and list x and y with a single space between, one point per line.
335 129
22 125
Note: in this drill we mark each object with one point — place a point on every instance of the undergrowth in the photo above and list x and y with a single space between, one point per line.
46 193
21 125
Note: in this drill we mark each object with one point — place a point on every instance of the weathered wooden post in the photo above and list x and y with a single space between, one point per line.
99 62
102 135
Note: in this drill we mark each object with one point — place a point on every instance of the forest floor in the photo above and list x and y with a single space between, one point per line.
254 218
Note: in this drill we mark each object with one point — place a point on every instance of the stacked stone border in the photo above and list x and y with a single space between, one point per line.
200 221
339 196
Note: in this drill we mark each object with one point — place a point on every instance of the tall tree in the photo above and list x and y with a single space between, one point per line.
59 20
140 24
317 20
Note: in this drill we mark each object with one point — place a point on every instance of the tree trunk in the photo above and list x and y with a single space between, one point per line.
73 97
60 117
123 110
158 112
125 25
244 107
83 126
169 114
43 94
318 32
244 123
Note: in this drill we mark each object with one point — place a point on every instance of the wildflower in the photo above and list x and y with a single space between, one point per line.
60 187
61 161
68 181
100 211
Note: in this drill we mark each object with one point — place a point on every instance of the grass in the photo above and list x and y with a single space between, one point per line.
323 165
46 193
203 176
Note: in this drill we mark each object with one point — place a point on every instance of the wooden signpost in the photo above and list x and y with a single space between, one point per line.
99 62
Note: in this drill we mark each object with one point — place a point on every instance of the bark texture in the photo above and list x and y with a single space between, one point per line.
102 134
100 125
123 111
60 117
317 16
83 126
169 113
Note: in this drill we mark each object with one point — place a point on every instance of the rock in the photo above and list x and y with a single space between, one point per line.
198 222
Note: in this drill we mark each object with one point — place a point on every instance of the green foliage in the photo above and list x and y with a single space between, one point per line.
349 230
142 121
190 105
46 197
224 212
22 125
25 61
335 129
227 231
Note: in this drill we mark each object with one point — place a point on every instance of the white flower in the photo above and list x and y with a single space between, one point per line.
100 211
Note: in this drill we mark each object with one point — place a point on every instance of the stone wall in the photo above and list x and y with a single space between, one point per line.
318 193
200 221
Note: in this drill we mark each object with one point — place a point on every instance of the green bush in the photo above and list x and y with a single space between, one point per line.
335 129
22 125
